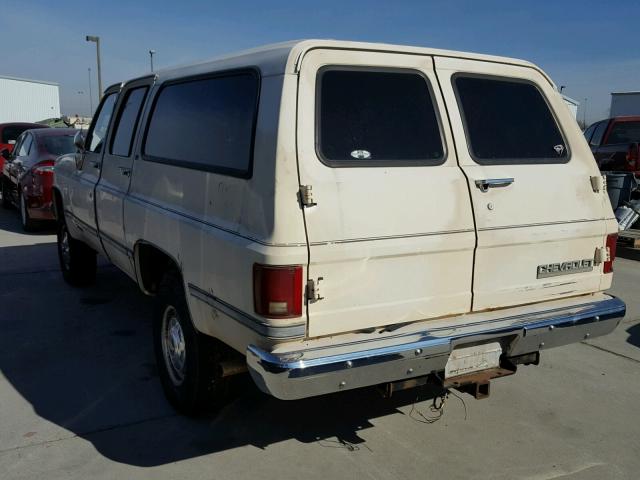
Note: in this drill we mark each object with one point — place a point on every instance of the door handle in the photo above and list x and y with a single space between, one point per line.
96 163
125 171
487 183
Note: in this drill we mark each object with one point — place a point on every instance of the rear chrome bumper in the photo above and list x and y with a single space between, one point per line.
315 369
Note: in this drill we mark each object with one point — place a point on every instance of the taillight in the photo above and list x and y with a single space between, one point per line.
632 157
612 241
43 168
277 290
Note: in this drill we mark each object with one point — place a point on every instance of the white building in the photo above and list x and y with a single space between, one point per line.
624 103
24 100
572 105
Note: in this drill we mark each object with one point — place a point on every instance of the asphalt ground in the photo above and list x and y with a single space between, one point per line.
80 399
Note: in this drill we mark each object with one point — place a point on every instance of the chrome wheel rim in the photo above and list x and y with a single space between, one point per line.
173 346
65 251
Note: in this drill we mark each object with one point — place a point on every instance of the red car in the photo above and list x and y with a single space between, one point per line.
615 144
9 133
28 172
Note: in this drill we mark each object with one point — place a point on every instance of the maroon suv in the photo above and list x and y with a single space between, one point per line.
614 143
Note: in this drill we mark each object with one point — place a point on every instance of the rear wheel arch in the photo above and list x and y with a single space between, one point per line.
152 263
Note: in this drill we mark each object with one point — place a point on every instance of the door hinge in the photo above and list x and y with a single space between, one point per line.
306 196
313 290
602 255
598 183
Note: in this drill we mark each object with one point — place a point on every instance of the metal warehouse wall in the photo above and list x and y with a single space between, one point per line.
27 100
625 104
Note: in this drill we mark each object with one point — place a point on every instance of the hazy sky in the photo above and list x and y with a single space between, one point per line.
589 46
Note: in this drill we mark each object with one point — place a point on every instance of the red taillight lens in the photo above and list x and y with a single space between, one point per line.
43 168
612 241
277 290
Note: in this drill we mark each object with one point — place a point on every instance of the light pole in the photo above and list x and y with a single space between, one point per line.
151 52
562 87
90 96
96 40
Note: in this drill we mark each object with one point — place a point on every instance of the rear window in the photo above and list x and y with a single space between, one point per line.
10 133
206 124
508 122
58 145
624 132
368 117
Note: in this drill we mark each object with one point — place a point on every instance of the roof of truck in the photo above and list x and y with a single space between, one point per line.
279 58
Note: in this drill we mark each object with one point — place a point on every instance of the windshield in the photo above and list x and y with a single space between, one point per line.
58 145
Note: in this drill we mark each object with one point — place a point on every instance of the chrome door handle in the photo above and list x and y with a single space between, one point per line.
125 171
487 183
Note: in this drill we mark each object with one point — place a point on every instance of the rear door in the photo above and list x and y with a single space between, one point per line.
388 214
117 165
539 219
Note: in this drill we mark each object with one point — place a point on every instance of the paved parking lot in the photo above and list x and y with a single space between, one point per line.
80 398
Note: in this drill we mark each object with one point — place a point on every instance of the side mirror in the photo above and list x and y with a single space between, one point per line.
78 141
5 154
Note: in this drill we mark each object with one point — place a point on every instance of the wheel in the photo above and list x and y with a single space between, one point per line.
6 195
188 361
28 225
77 260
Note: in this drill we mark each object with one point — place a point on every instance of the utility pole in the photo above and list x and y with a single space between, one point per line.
96 40
151 52
90 96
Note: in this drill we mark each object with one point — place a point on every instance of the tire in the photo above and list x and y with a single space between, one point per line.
78 261
28 225
188 361
6 198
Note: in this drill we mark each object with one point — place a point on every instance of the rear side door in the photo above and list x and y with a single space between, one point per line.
388 214
89 164
115 178
539 219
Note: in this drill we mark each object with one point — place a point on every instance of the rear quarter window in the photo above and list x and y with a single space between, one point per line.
372 117
508 121
206 124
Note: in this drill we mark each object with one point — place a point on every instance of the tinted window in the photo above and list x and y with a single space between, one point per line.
624 132
598 133
127 122
12 133
508 122
368 117
58 145
25 147
589 131
205 124
98 130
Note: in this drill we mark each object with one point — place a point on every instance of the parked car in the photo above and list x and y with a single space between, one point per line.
28 173
333 215
614 143
9 133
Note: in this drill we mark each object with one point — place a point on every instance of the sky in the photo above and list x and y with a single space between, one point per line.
591 47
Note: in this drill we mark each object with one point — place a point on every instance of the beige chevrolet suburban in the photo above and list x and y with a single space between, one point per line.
332 215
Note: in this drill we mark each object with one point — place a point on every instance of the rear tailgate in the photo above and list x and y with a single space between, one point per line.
540 216
389 224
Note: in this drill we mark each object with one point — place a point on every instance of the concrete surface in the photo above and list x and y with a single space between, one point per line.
80 399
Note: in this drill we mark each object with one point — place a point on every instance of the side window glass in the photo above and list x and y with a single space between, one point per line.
18 145
596 140
127 122
25 146
98 131
588 132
